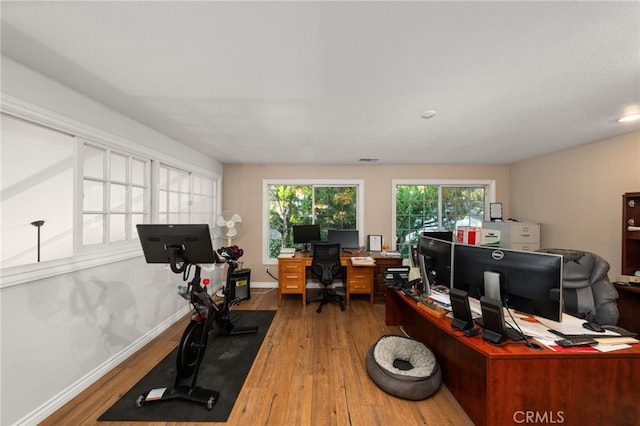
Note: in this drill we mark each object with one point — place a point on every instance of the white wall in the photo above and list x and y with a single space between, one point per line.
62 333
577 195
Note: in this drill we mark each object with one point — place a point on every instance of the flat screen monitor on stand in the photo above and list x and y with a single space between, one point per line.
347 238
529 282
440 235
306 234
434 258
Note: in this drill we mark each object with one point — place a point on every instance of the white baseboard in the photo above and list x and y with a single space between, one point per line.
265 284
50 407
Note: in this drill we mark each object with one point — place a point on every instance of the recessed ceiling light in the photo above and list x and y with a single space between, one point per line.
428 114
630 117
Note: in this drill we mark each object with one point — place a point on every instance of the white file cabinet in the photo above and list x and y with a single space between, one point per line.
517 235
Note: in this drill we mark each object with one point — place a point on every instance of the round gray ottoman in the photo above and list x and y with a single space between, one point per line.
403 367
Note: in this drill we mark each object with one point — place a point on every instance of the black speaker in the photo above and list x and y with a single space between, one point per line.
241 284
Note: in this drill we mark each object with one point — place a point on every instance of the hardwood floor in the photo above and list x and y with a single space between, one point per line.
310 371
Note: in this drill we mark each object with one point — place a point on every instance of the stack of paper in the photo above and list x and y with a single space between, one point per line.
362 261
287 252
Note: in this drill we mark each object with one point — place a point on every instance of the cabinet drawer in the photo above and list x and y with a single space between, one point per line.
291 266
291 286
360 286
533 246
291 276
525 233
361 274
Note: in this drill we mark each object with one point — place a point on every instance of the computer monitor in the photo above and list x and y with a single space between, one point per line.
305 234
441 235
178 245
348 238
434 256
529 282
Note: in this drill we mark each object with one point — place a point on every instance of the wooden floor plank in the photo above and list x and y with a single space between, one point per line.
310 370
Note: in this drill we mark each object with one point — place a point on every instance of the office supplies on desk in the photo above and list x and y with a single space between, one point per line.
362 261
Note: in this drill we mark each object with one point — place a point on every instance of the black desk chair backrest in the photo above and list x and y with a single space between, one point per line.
325 265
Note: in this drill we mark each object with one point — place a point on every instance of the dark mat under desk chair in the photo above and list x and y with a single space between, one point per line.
225 366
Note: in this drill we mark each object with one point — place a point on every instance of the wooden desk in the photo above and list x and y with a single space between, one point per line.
504 385
292 275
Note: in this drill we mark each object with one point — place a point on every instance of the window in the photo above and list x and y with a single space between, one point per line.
330 204
437 206
87 190
204 196
173 194
115 194
36 184
184 197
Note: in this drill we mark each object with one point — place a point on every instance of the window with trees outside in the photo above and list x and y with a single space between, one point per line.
421 206
330 204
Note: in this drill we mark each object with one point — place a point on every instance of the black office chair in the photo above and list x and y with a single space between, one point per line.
326 266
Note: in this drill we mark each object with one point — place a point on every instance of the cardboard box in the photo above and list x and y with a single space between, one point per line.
469 235
490 237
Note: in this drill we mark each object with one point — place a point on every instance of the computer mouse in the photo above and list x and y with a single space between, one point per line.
593 326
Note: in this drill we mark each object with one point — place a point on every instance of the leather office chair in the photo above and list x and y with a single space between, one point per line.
586 289
326 266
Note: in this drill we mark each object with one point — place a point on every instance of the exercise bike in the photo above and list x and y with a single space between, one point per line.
208 318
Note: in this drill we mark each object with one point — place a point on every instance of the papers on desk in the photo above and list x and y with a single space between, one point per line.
362 261
570 325
391 254
287 252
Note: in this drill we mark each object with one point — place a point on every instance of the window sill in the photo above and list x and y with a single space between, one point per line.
17 275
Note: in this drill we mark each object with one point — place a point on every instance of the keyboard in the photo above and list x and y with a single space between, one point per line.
621 331
613 328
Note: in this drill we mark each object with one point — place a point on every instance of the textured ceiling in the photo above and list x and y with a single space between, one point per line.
333 82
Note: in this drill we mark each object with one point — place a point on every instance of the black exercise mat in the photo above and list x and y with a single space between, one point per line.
224 368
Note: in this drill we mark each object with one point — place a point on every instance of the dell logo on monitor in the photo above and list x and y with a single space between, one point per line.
497 254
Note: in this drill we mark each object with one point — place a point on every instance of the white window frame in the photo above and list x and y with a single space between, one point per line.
130 232
359 184
99 254
490 195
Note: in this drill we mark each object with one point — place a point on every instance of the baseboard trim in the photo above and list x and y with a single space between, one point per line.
264 284
55 403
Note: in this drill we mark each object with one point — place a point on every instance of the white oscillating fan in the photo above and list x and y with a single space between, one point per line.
229 225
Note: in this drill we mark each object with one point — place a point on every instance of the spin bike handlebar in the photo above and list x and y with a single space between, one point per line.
231 253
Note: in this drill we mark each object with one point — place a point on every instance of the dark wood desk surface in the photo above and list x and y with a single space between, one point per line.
499 385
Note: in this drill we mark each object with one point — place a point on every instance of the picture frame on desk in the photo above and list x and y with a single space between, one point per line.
374 242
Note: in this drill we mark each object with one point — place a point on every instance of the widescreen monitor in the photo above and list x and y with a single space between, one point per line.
176 244
305 234
434 256
347 238
441 235
529 282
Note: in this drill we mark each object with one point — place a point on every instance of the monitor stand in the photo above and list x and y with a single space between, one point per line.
494 327
508 331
